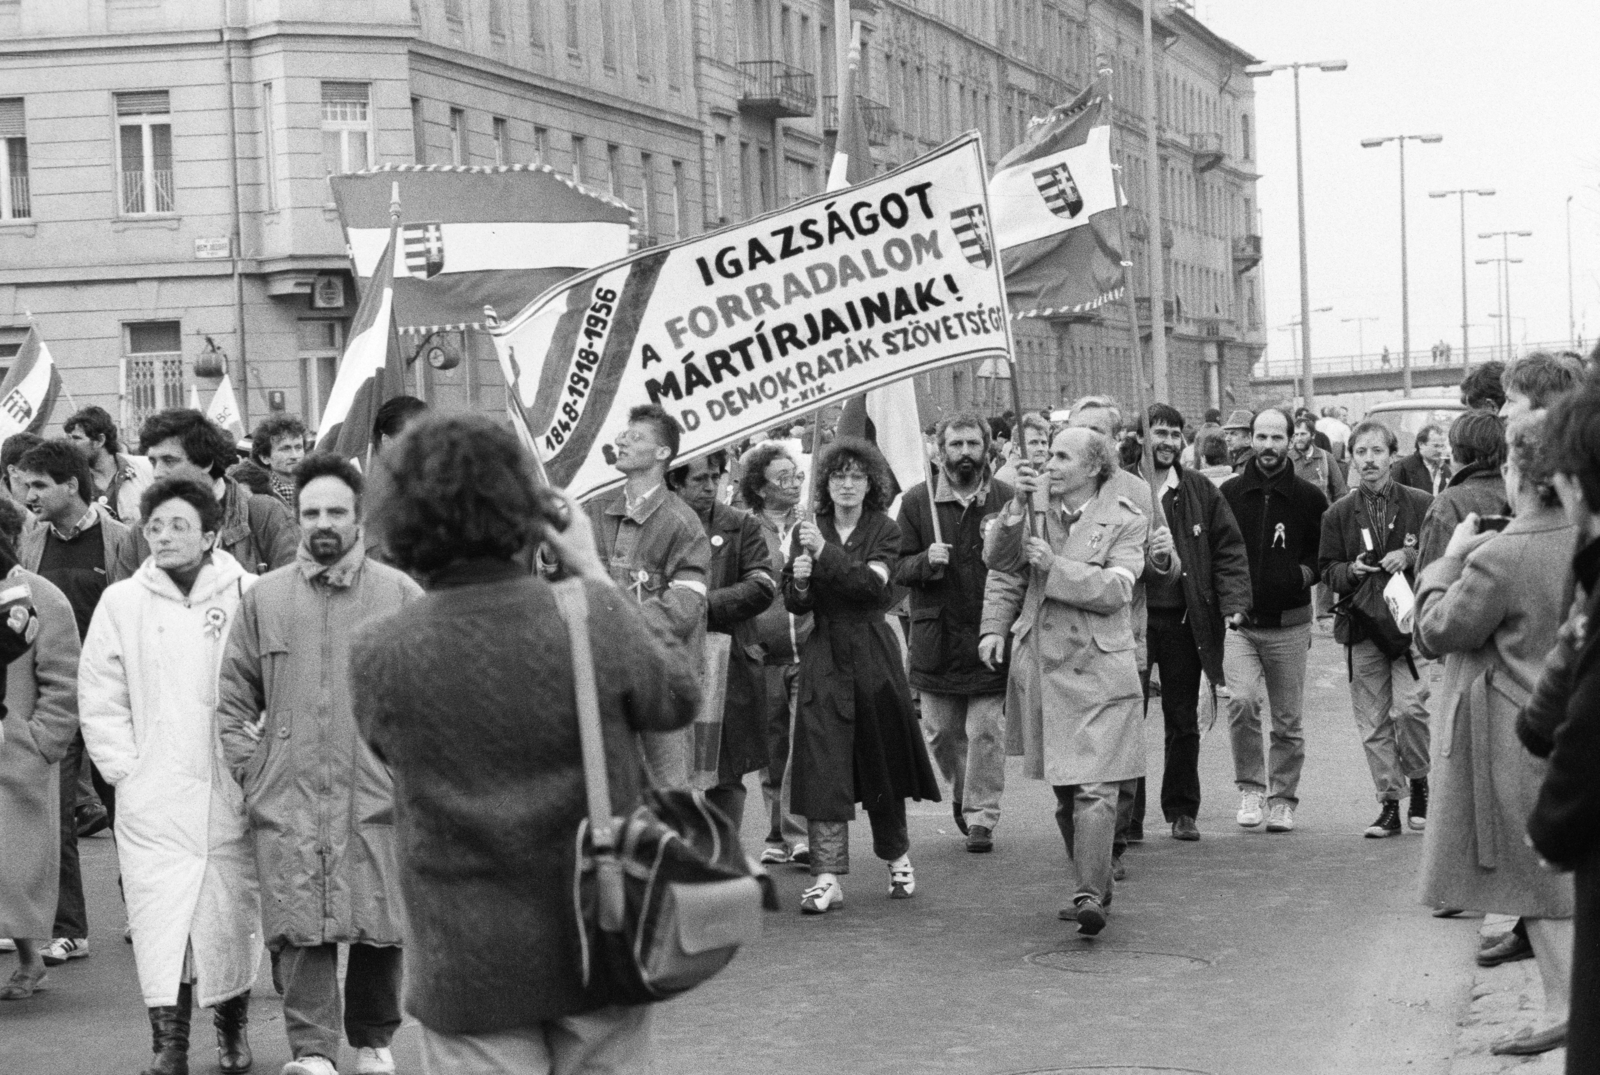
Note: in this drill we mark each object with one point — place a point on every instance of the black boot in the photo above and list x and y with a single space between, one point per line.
169 1037
1417 807
1388 823
233 1044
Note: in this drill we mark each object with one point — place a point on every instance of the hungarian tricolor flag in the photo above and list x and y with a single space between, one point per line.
372 369
1054 200
28 393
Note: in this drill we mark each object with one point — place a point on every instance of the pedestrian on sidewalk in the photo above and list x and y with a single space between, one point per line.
1074 694
1491 606
147 689
741 585
73 546
40 723
1280 516
963 700
1186 617
468 695
324 847
856 737
657 552
1367 539
771 486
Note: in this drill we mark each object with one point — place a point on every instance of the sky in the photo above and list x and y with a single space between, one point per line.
1512 88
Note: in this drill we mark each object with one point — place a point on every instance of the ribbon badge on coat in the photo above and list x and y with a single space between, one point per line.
216 620
1280 537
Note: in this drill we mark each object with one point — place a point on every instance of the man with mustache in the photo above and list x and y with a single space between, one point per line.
962 694
1280 516
1375 533
321 802
1186 615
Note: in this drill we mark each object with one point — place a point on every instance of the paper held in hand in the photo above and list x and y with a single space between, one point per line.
1401 601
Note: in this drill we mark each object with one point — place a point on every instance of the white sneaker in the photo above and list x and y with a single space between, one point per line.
1252 807
1280 818
822 898
62 949
374 1061
313 1065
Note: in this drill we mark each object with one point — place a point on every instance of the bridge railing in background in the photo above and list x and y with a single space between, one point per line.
1278 368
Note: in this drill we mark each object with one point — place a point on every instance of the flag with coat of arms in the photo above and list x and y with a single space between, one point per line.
28 392
1054 200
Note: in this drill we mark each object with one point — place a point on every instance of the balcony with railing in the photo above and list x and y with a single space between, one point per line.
773 90
874 116
1246 252
147 192
1207 150
1168 308
19 205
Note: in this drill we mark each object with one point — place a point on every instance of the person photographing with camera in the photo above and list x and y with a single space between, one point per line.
1367 539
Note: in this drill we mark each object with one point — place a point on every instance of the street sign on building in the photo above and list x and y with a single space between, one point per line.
213 248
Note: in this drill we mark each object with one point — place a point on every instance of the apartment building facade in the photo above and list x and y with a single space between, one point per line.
165 214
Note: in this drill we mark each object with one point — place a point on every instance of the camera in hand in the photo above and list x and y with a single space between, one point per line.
1370 558
1496 523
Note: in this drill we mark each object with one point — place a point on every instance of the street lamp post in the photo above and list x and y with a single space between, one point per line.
1405 293
1501 269
1361 338
1262 70
1461 195
1572 322
1506 262
1290 328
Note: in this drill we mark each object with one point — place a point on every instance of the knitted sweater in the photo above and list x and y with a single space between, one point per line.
468 695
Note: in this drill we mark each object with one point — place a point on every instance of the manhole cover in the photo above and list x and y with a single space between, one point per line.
1120 1069
1122 961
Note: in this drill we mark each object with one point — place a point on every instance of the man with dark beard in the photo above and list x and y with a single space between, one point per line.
963 697
323 848
1186 614
1280 516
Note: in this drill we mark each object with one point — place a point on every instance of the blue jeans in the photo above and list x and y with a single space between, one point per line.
966 736
1086 814
1274 658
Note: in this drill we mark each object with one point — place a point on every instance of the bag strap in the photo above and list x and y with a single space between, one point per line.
573 604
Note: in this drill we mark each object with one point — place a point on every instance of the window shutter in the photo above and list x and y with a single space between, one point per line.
143 103
345 91
11 118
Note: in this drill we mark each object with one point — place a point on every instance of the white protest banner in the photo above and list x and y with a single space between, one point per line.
737 329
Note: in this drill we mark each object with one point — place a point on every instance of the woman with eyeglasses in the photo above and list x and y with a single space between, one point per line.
147 693
856 738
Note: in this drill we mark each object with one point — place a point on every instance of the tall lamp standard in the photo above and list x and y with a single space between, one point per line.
1506 261
1501 269
1405 294
1361 337
1262 70
1461 195
1572 322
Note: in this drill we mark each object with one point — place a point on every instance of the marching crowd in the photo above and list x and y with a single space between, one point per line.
319 712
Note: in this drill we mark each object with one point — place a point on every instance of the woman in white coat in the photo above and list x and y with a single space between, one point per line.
147 690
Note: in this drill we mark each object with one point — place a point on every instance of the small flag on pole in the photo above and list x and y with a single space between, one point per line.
28 393
194 397
1054 202
224 409
372 369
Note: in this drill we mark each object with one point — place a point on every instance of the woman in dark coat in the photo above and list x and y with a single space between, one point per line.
468 695
856 739
1565 827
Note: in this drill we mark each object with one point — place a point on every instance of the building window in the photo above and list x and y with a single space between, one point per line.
541 145
579 148
573 19
608 34
669 17
502 141
458 136
419 132
319 344
647 201
144 163
680 202
763 179
452 10
536 31
497 18
269 148
155 367
614 170
747 176
15 202
1244 135
641 37
719 179
346 127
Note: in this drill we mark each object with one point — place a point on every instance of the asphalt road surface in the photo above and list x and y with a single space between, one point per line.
1243 954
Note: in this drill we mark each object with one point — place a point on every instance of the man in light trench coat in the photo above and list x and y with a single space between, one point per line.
319 803
1074 699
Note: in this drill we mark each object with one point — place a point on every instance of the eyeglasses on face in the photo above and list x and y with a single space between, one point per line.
794 477
156 527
